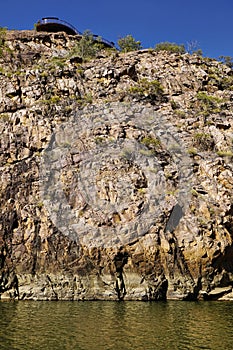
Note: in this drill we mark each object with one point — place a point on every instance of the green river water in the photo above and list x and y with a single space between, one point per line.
116 325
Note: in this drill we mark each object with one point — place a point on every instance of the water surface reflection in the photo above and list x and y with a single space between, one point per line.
116 325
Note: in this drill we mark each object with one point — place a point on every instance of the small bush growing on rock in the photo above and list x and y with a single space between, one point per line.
203 141
5 117
206 105
85 99
171 47
227 60
192 151
227 153
58 61
198 52
2 35
208 99
40 205
193 48
174 105
128 43
226 83
151 142
147 88
180 114
87 47
52 100
2 39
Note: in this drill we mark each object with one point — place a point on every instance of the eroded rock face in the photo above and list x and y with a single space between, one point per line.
116 173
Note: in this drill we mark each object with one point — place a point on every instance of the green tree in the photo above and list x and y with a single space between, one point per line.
171 47
3 31
87 47
128 43
228 60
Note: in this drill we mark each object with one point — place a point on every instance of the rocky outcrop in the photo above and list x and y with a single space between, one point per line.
116 173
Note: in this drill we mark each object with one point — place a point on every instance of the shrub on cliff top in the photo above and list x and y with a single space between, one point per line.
128 43
193 48
3 31
171 47
2 38
227 60
87 47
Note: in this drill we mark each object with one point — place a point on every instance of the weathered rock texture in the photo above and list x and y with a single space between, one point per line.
42 84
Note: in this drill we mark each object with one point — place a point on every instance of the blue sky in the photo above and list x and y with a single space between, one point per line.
209 22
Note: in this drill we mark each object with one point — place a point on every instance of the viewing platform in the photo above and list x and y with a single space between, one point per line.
54 25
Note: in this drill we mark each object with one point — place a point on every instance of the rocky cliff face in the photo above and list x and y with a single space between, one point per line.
116 173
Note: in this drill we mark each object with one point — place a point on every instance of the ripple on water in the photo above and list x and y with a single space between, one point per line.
116 325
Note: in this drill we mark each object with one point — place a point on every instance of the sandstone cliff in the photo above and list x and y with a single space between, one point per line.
116 173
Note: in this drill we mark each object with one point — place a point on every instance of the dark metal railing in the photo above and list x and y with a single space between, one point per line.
52 20
102 40
56 20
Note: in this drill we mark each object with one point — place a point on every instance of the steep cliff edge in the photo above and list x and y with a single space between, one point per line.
144 142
